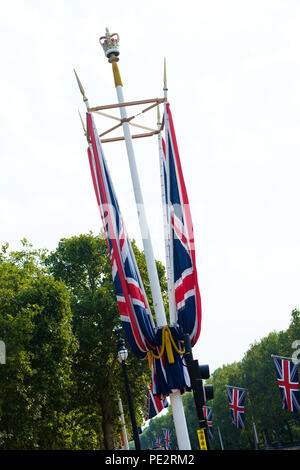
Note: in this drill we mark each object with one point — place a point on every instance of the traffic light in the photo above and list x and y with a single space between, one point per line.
198 373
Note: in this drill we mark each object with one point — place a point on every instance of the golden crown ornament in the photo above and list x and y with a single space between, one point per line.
110 44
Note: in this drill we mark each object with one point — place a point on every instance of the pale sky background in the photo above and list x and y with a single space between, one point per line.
234 88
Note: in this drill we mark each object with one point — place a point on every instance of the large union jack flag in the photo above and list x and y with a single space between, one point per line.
154 404
288 382
132 302
167 439
185 288
208 416
236 397
133 306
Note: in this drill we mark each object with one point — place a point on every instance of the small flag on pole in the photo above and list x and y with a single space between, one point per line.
236 397
288 382
157 443
167 439
154 404
208 416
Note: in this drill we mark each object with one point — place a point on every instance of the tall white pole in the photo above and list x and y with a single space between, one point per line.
124 431
253 423
220 439
147 244
165 208
169 240
175 397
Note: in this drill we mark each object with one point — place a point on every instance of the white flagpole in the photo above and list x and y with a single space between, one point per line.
169 240
164 205
220 439
124 431
175 396
253 422
282 357
147 244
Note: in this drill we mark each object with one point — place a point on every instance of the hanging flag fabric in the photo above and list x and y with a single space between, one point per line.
135 313
168 372
236 397
167 439
288 382
154 404
157 444
182 250
208 416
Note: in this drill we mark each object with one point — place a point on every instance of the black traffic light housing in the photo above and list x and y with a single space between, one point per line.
198 373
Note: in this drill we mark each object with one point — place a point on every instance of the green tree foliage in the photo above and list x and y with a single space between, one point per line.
61 379
256 373
83 264
155 429
35 324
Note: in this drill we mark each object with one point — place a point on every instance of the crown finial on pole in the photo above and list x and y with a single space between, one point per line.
80 87
110 44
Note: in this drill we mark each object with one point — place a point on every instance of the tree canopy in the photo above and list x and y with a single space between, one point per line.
35 324
83 264
61 380
255 372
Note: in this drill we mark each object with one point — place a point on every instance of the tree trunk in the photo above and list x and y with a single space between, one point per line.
107 426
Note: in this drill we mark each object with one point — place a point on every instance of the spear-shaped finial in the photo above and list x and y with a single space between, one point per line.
80 87
165 75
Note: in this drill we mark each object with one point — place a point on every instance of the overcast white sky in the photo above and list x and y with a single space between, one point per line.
233 79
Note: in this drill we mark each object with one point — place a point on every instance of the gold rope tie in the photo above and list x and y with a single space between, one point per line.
167 342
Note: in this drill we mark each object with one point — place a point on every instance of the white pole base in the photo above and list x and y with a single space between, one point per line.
182 434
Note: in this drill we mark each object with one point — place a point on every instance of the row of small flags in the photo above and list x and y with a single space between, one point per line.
166 439
288 382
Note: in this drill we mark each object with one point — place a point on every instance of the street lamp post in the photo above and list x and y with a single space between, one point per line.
122 356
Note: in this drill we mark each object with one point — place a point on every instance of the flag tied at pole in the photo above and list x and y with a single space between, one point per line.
288 382
236 397
157 443
208 416
163 346
154 404
185 289
167 439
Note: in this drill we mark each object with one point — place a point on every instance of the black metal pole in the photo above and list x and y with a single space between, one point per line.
131 409
196 384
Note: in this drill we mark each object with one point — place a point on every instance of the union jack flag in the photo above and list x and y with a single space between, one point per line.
186 292
154 404
167 439
157 443
133 306
236 397
288 382
132 302
208 416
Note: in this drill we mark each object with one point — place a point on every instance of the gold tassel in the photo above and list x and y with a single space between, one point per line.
149 357
167 342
